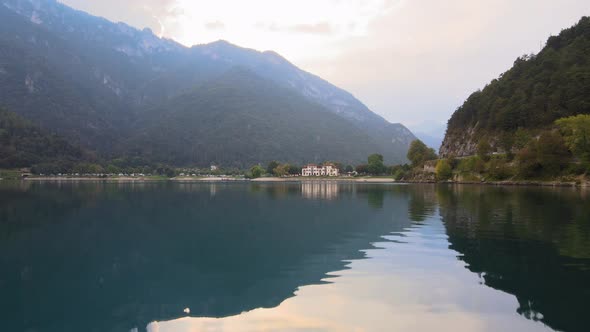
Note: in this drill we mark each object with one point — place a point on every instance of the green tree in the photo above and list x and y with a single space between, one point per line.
362 169
375 164
443 170
498 169
112 169
506 142
522 138
552 153
484 149
271 167
546 157
576 132
419 153
294 170
281 170
256 171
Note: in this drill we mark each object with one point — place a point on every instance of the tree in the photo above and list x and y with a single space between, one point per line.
484 149
443 170
362 169
552 153
547 156
375 165
112 169
419 153
506 142
576 132
527 164
256 171
522 138
281 170
271 167
294 170
349 169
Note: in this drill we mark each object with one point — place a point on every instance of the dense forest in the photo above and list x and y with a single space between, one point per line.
243 118
23 144
532 95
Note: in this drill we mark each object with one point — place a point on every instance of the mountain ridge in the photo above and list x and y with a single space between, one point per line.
111 73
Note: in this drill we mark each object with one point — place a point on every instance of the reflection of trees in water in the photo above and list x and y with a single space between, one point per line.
530 242
376 198
144 253
422 202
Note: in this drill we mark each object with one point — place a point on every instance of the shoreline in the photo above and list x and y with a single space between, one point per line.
367 180
320 179
206 179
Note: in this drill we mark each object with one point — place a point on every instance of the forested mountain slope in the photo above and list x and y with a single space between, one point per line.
240 118
95 82
535 92
23 144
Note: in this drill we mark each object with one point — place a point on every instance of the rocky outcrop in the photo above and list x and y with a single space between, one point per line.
460 143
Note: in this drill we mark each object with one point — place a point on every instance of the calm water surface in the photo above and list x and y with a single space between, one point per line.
316 256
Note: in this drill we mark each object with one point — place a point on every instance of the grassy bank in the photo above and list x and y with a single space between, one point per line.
10 174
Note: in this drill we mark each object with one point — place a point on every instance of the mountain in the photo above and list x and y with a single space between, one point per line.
240 118
535 92
23 144
107 85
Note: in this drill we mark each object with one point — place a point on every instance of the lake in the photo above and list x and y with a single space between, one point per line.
314 256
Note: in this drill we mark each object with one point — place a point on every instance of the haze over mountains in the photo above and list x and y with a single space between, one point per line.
125 92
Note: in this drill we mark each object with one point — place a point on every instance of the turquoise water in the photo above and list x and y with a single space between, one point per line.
316 256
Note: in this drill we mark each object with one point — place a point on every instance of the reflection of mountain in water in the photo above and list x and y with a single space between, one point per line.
133 254
532 243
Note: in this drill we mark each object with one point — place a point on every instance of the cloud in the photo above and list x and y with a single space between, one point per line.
215 25
425 57
137 13
408 60
322 28
318 28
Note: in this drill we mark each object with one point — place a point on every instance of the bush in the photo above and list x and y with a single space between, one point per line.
577 168
471 165
547 157
499 170
443 170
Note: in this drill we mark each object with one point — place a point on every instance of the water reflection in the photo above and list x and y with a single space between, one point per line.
144 253
320 189
284 257
532 243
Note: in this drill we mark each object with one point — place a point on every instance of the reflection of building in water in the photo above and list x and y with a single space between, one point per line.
314 170
319 190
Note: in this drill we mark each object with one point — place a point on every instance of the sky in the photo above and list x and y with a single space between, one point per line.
411 61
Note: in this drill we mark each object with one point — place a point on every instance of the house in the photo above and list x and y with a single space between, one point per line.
315 170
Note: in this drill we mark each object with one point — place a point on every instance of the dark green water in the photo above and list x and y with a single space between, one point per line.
292 257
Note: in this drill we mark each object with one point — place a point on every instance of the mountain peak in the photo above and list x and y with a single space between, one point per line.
221 43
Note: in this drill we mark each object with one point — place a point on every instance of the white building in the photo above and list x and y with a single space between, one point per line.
315 170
